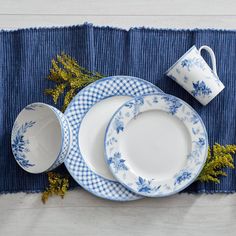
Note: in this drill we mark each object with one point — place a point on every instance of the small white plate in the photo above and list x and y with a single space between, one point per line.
89 114
156 145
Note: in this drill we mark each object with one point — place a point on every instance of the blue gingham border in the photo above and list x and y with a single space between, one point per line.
85 99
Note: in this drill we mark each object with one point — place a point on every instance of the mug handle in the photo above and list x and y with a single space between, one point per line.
213 57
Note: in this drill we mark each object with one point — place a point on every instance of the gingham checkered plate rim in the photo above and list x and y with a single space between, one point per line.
76 111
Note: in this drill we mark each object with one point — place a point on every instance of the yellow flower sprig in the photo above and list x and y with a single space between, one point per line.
69 77
58 185
219 157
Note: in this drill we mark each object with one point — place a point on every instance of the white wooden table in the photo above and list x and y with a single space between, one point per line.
80 213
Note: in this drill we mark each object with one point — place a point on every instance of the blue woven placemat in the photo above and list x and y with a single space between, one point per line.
25 59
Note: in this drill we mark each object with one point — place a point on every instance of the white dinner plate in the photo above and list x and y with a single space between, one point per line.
89 114
156 145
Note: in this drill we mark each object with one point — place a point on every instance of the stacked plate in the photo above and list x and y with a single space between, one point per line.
129 140
121 138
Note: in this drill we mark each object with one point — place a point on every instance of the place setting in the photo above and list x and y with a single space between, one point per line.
121 137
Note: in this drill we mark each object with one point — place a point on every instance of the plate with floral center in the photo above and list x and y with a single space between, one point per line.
89 114
156 145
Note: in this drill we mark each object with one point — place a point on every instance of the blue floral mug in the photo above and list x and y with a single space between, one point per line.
193 73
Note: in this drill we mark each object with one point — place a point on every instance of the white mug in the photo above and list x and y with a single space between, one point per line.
193 73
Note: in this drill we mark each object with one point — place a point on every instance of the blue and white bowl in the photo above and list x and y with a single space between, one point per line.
40 138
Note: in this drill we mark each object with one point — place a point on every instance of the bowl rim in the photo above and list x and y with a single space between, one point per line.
62 135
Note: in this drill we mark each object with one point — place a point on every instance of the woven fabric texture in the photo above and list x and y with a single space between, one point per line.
25 60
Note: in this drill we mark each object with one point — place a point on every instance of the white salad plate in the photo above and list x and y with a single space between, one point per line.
89 114
156 145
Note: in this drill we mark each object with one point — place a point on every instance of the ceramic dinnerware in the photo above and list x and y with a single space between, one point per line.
40 138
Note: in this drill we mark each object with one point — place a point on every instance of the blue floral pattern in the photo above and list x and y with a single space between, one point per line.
186 79
195 131
111 141
190 62
20 144
190 71
194 119
173 103
200 88
199 146
201 142
91 95
182 176
118 125
155 100
194 159
136 103
117 162
144 186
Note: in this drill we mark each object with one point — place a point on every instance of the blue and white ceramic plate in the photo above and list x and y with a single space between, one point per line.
156 145
89 114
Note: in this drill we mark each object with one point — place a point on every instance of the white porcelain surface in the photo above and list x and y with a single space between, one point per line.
156 145
40 138
193 73
154 140
89 114
92 133
179 215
